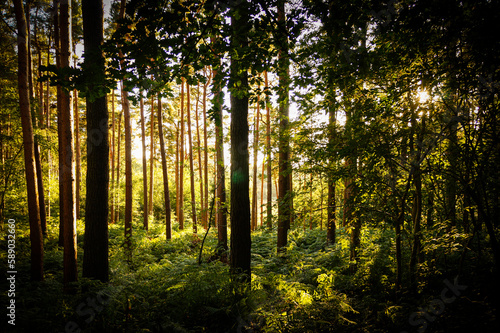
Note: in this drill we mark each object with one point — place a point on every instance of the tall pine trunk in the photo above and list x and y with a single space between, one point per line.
200 165
128 171
191 164
284 180
220 185
95 258
166 191
180 194
269 161
28 145
128 158
417 198
113 158
118 153
78 172
66 155
331 208
151 159
262 193
38 162
205 145
240 200
144 166
350 218
255 153
57 43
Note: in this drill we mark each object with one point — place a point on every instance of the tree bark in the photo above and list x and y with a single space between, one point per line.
205 145
128 159
180 195
191 164
113 158
66 155
269 161
28 145
255 153
39 114
331 205
38 162
220 186
128 171
47 126
284 188
417 198
144 166
262 193
200 165
240 200
57 43
77 151
118 152
151 159
350 218
95 258
166 191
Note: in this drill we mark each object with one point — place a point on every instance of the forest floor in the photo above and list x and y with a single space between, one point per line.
309 289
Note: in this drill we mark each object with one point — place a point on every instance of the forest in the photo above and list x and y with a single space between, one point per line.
250 166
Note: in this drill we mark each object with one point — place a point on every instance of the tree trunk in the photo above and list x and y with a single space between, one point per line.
151 159
40 113
177 169
28 144
452 156
321 202
95 258
128 172
255 153
41 196
205 145
240 200
417 199
38 163
113 157
191 164
262 193
66 156
220 186
200 165
77 151
166 191
144 166
57 43
118 152
284 188
47 126
269 162
128 159
180 195
331 208
350 218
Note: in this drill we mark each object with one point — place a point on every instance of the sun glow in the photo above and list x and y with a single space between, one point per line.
423 96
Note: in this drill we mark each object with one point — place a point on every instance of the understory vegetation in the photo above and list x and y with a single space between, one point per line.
310 288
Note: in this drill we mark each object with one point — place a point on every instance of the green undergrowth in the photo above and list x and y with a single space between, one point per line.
310 287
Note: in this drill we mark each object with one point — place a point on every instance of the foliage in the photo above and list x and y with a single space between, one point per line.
309 289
